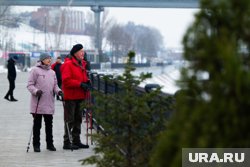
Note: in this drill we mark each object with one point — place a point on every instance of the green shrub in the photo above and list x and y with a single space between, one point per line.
131 122
212 110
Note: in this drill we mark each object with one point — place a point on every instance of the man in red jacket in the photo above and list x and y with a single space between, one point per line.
75 84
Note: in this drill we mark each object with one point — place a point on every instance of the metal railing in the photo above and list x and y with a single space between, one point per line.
106 84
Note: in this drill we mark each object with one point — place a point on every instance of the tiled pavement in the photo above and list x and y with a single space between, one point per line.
15 128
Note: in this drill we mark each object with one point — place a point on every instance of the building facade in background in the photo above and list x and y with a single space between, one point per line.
58 20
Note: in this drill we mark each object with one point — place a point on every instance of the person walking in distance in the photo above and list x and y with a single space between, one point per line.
11 77
75 83
57 68
42 84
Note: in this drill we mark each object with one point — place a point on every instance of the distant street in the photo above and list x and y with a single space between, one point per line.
15 128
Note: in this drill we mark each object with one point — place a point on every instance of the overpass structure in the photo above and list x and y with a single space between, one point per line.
97 6
108 3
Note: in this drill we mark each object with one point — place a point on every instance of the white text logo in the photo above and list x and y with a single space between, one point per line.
214 157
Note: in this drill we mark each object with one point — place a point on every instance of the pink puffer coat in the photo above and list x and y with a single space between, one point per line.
42 78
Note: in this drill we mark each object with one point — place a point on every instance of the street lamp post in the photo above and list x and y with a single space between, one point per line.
45 31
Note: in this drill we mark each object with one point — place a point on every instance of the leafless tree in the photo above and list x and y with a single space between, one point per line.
6 19
120 41
60 27
4 13
90 26
145 40
149 42
106 23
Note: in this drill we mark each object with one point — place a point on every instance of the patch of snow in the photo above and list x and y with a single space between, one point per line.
25 37
2 69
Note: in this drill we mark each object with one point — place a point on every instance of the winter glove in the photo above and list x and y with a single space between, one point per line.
89 84
85 86
60 93
39 93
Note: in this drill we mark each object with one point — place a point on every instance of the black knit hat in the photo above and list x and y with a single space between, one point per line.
75 49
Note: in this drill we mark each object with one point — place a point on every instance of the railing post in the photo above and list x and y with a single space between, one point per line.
150 87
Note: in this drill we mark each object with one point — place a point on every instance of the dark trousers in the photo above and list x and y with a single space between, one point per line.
11 88
48 119
59 83
72 117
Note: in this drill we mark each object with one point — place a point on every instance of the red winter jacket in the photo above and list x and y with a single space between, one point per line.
72 77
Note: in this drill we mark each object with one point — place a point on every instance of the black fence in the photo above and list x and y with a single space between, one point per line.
106 84
118 65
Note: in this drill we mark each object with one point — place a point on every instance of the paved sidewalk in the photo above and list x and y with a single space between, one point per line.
15 128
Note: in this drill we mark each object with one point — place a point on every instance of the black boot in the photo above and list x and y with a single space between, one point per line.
37 149
7 98
51 147
80 145
13 99
68 146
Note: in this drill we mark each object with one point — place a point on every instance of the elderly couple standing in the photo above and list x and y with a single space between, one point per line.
42 84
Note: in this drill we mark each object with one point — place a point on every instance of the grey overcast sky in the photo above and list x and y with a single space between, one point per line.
172 23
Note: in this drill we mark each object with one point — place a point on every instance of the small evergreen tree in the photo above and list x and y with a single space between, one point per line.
212 110
131 122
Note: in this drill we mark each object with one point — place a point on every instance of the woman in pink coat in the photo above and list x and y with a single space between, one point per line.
42 84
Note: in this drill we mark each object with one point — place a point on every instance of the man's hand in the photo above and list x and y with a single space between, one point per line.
89 84
85 86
